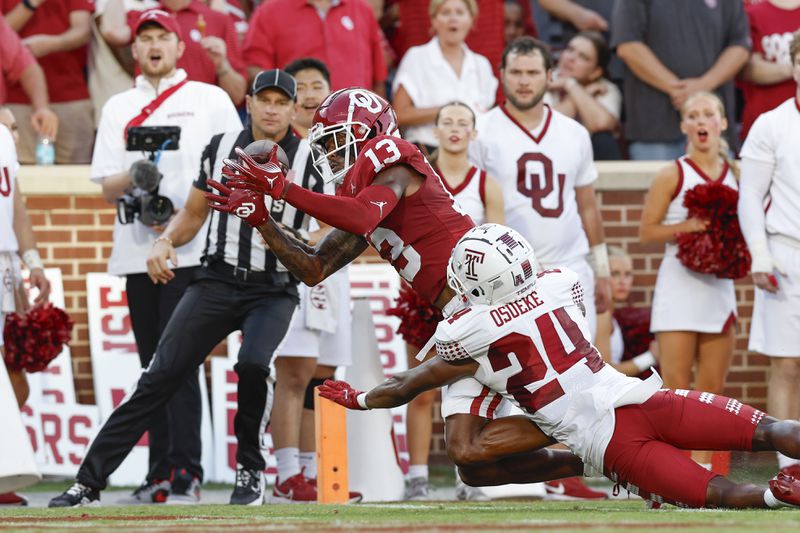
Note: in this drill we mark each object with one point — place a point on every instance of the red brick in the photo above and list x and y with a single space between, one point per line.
74 252
47 203
38 219
107 219
66 268
611 215
609 198
633 215
72 219
616 232
85 268
95 203
87 236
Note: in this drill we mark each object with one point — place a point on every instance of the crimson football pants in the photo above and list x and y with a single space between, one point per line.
645 451
212 307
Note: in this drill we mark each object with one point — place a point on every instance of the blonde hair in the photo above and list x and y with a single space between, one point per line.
472 7
724 147
794 46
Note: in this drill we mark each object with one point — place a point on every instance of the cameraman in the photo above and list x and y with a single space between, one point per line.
239 286
161 97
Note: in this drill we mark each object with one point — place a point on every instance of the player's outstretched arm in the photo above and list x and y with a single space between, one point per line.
312 264
400 388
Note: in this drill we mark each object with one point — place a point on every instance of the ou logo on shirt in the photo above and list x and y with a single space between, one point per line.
5 182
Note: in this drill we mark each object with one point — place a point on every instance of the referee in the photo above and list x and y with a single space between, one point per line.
239 286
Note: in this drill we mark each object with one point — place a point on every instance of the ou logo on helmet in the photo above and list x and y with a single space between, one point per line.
471 258
365 99
245 210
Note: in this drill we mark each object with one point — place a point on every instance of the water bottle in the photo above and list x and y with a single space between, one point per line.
45 151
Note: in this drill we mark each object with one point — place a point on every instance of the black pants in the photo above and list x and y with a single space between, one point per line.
174 438
212 307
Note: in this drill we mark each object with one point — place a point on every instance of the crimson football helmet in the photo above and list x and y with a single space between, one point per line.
342 124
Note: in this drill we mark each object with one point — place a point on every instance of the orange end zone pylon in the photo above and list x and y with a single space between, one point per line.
330 421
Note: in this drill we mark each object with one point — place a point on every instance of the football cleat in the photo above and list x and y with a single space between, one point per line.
571 488
12 499
155 491
296 489
418 489
249 487
786 489
185 488
78 495
792 470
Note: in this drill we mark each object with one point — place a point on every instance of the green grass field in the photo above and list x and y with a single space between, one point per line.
416 517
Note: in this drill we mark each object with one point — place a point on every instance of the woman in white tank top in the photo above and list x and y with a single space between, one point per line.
693 314
481 198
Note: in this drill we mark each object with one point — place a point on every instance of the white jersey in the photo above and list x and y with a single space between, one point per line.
8 179
690 176
773 140
471 194
538 172
535 352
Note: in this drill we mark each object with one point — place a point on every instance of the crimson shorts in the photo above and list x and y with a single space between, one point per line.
644 453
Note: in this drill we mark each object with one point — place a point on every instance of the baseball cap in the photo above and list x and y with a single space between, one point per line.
160 17
275 79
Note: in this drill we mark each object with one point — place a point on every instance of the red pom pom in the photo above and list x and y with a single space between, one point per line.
33 340
721 249
418 317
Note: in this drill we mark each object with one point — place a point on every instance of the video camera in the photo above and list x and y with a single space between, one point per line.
142 197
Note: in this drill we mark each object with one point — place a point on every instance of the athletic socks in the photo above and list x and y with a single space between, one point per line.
288 460
415 471
308 464
784 461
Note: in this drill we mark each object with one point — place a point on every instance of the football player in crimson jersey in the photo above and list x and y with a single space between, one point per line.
388 197
525 336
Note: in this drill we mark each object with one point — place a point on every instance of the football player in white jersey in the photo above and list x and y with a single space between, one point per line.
524 335
543 162
694 314
770 172
16 233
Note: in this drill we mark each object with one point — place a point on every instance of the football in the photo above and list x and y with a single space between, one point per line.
260 150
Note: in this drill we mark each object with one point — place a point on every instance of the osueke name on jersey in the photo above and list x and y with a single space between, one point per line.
535 352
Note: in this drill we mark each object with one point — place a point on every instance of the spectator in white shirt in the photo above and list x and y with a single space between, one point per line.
581 90
443 70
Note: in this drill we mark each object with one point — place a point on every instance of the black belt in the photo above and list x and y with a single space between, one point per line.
249 276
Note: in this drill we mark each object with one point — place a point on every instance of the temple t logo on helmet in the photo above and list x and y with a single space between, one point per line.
492 264
343 122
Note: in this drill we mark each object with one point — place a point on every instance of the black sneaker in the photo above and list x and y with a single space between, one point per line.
185 489
77 495
249 487
155 491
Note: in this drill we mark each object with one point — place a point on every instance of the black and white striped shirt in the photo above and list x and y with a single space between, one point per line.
229 238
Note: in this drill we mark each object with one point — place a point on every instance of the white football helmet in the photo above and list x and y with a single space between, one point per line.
491 264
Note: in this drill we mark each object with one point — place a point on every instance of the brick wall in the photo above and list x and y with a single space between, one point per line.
74 225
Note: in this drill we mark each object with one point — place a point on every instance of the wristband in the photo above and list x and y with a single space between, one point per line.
761 257
27 4
32 260
644 361
362 400
599 260
164 239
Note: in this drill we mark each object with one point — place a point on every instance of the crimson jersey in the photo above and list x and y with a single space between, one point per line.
421 231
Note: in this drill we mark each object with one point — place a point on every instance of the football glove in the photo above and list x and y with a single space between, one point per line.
342 393
243 203
267 179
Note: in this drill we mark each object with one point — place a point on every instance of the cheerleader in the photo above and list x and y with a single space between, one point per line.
609 339
480 196
693 314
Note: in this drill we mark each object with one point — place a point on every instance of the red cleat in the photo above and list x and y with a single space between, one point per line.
13 499
572 488
354 497
785 489
296 489
792 470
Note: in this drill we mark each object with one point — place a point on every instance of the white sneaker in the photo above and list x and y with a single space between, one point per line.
465 493
417 489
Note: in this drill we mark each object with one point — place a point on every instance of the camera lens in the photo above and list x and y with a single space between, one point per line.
159 209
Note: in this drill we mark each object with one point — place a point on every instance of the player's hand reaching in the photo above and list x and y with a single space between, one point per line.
267 179
243 203
342 393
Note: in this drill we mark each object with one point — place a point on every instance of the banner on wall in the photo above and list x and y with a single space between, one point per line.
116 369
